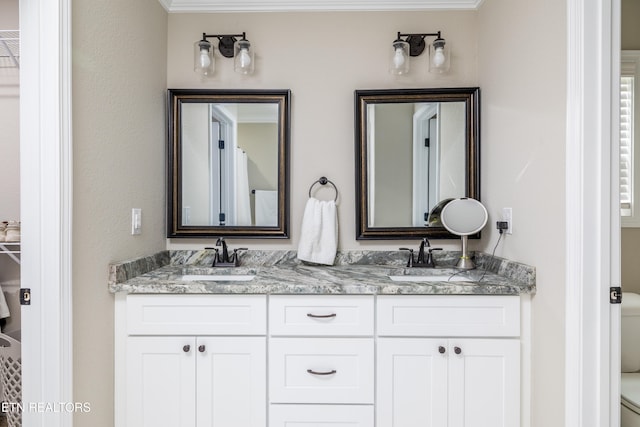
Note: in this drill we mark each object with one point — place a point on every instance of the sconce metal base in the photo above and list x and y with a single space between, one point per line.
416 44
225 42
225 46
416 41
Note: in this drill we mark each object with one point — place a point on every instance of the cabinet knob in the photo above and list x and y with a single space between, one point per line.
186 348
457 350
441 349
201 348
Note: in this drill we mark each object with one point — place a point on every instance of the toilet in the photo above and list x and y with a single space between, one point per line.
630 383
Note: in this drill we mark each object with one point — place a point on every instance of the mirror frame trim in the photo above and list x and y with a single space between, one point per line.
471 97
174 166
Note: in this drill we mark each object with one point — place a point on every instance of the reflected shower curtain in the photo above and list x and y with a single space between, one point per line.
243 203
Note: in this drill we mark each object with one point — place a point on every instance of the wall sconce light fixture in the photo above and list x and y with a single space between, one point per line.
414 45
229 47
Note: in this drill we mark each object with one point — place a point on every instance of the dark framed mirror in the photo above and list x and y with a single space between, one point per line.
415 149
228 163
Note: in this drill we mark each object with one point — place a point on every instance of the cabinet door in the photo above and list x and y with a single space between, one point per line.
484 383
412 382
160 382
231 384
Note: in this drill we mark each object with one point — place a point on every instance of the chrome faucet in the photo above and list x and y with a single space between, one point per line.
225 259
423 260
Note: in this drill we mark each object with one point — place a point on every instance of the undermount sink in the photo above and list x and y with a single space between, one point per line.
217 277
430 278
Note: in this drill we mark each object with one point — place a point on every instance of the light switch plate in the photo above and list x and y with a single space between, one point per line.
136 221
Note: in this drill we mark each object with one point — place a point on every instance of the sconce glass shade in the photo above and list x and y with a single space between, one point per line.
203 62
438 57
399 57
244 60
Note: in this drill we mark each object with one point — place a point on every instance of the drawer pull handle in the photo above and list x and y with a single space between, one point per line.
186 348
457 350
441 349
312 372
201 348
321 316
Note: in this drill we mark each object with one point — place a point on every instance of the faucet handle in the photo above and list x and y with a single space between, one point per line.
410 261
212 249
216 255
430 262
234 257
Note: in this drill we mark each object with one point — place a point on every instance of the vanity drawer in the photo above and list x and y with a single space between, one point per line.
321 415
321 370
196 314
318 315
449 315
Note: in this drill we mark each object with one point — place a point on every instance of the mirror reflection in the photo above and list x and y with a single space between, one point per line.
235 146
415 149
229 163
416 158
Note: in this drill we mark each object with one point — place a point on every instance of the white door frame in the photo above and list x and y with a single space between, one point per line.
45 193
46 172
592 225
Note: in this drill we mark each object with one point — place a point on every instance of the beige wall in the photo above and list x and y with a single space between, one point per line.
523 167
9 14
322 57
260 142
630 29
630 265
119 82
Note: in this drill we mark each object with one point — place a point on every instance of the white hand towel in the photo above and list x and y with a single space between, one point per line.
319 234
266 205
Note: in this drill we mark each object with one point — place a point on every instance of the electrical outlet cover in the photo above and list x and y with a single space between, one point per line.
507 215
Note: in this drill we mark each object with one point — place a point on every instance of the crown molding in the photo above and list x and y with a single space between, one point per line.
212 6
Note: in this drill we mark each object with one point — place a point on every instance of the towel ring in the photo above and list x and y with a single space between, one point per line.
323 181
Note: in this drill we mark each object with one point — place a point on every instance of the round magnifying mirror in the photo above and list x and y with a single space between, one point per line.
464 217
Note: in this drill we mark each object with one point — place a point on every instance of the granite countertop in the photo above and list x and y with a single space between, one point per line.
355 272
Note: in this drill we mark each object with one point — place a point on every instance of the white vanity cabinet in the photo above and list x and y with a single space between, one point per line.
192 361
321 360
448 361
203 360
